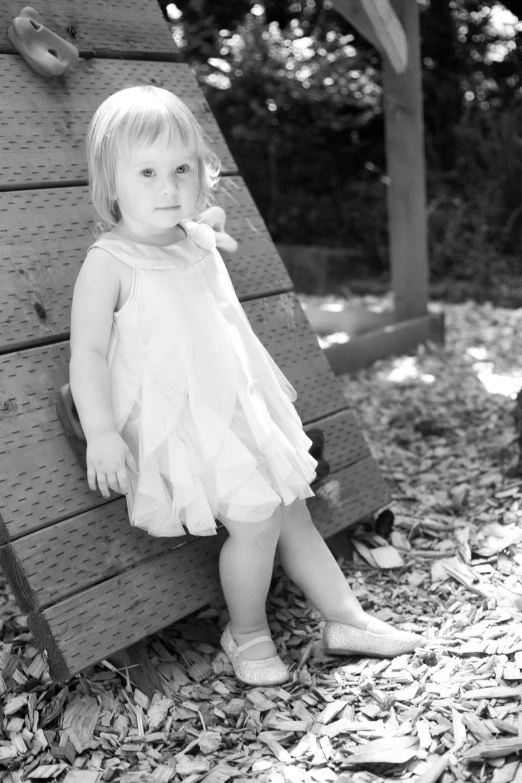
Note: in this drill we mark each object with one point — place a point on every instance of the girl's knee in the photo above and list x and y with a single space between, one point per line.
297 514
262 534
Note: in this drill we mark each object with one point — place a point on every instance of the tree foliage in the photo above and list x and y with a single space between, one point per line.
297 93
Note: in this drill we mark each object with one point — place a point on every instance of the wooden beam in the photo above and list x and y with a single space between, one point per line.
376 21
402 101
390 340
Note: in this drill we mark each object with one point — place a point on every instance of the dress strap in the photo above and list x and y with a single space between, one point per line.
115 248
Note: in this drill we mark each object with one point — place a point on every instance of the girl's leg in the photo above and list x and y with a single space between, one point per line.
246 564
309 563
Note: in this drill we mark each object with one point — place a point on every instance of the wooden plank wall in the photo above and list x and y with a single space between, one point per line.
89 582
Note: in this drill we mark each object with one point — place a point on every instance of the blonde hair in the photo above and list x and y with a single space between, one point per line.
140 115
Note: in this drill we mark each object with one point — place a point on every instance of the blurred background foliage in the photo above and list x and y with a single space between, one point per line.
297 93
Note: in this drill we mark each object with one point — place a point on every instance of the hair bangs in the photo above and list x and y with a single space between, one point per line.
144 124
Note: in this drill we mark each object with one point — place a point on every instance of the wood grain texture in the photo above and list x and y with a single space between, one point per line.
40 480
52 563
97 25
377 22
92 624
407 220
44 237
44 121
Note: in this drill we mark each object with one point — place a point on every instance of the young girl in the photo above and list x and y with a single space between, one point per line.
183 409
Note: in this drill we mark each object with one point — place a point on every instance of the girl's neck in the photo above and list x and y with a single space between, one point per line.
177 234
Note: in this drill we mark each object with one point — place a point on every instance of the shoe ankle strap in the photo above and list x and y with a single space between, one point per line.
252 642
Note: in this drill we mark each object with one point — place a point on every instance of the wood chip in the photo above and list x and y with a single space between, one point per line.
493 749
260 701
498 692
331 710
388 751
271 742
436 767
505 774
83 776
188 765
387 557
46 771
80 720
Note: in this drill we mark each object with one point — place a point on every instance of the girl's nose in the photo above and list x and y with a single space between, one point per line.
170 184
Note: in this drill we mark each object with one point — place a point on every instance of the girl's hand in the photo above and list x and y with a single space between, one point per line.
108 458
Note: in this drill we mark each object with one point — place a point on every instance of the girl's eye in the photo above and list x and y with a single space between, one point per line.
147 173
184 167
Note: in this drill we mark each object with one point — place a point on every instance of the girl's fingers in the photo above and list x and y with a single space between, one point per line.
123 481
131 462
91 479
117 481
112 480
102 483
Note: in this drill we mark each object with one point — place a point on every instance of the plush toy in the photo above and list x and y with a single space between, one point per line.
47 53
216 218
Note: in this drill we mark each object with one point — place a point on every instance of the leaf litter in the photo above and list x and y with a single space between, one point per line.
447 562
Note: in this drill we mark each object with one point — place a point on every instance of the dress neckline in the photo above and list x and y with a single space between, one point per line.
183 225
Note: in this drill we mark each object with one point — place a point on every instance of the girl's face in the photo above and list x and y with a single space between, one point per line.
156 187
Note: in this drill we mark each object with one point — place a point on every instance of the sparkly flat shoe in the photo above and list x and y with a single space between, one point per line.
270 671
340 639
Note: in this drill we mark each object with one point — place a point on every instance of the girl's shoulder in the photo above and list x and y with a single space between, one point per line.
99 256
101 268
110 249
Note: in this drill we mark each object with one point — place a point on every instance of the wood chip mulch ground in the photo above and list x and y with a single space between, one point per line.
441 426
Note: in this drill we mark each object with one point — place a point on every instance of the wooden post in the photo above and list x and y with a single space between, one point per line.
402 100
377 22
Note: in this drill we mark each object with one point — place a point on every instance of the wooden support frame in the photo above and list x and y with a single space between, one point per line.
404 128
376 21
412 324
391 339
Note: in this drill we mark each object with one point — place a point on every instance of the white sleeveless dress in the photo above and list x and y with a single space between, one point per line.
204 409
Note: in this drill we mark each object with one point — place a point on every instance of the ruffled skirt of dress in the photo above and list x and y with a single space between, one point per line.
210 420
176 487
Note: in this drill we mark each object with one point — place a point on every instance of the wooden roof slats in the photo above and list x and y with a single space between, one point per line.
99 27
98 543
139 601
44 121
42 250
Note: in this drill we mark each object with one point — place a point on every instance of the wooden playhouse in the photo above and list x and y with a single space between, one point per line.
92 586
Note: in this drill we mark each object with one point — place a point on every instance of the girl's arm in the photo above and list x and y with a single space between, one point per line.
94 300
